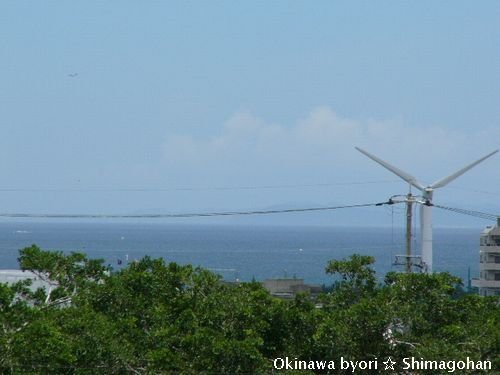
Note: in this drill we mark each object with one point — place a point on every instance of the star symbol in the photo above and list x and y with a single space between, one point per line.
389 364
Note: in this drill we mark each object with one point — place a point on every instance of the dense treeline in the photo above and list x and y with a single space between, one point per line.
156 318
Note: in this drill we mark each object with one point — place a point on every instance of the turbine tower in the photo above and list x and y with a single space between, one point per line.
426 204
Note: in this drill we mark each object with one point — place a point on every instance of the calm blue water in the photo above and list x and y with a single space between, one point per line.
241 251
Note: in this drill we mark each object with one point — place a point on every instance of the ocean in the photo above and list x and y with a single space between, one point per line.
239 251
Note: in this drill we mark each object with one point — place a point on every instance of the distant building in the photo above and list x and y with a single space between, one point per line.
13 276
488 283
288 288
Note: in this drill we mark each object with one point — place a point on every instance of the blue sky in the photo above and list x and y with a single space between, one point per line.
174 94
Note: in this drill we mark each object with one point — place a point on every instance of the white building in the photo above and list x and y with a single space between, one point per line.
489 262
13 276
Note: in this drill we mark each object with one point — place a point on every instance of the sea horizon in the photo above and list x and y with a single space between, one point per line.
249 251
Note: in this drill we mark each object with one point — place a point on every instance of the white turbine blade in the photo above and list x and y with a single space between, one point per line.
405 176
446 180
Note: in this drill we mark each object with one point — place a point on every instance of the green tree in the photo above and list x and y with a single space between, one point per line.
157 318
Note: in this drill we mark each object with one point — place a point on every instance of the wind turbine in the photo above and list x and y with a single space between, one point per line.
426 204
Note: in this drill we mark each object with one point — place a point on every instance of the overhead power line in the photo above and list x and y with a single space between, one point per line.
185 215
479 214
206 188
475 190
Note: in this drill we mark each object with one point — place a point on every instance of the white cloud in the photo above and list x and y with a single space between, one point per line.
322 144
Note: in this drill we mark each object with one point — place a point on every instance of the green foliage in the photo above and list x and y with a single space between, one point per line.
65 275
358 278
157 318
356 270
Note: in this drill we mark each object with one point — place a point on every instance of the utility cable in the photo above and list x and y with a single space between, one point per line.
185 215
479 214
474 190
208 188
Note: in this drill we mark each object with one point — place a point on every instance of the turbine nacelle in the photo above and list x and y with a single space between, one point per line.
425 209
428 190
